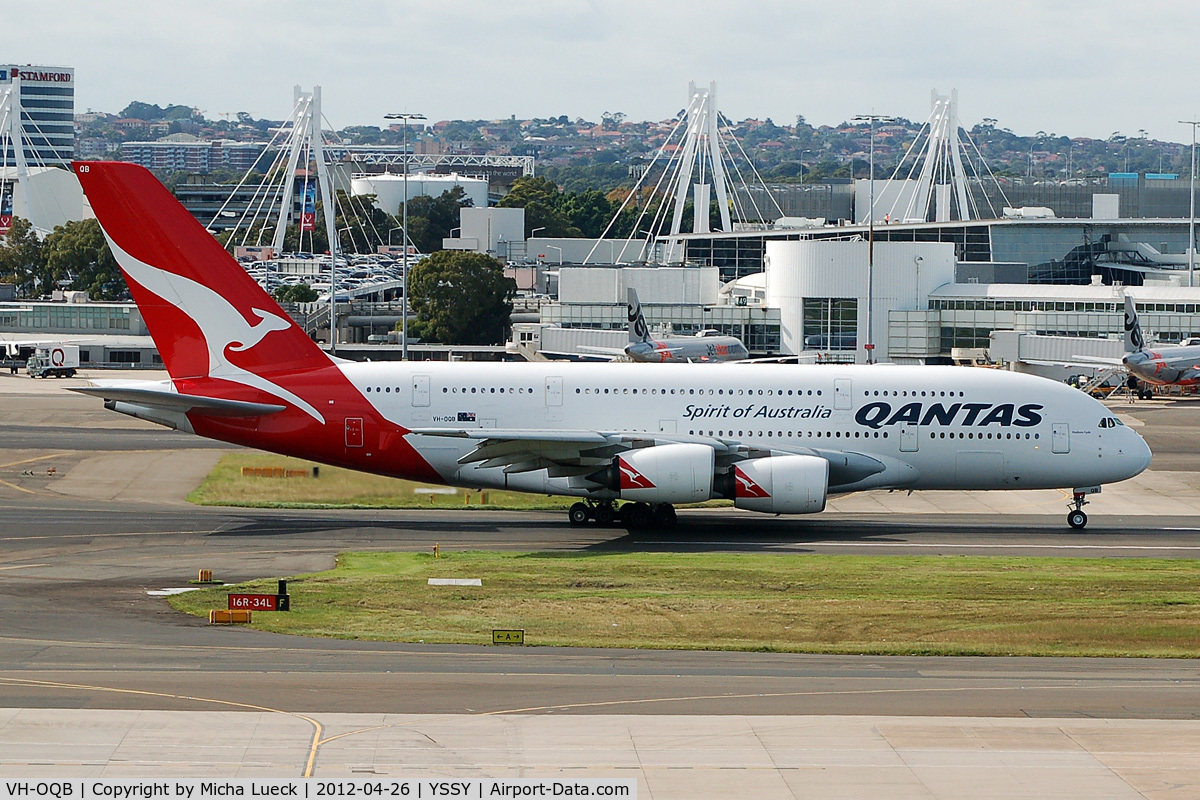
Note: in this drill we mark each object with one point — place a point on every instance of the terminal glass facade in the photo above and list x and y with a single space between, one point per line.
121 318
758 328
830 323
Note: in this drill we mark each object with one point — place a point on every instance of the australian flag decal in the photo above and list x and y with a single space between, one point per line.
466 416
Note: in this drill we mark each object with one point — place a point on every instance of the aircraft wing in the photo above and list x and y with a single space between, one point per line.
160 396
604 351
562 453
581 452
1088 362
1096 361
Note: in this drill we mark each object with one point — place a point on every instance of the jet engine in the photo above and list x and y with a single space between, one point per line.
778 484
669 473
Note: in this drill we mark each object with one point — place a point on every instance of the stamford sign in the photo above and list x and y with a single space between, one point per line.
35 75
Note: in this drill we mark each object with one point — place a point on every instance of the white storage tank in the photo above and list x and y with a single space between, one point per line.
389 189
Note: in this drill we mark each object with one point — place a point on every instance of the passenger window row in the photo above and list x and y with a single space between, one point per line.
486 390
796 434
972 435
913 393
721 392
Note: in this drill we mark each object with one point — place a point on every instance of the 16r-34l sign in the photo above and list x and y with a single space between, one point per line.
258 602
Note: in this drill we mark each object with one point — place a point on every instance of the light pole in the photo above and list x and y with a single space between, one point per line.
803 153
560 252
334 247
405 117
1192 206
390 232
870 345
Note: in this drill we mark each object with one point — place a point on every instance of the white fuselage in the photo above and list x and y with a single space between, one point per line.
932 427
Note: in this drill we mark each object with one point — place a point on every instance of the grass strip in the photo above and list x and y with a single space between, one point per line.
347 488
343 488
916 605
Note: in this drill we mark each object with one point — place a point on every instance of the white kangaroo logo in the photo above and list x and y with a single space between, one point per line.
221 323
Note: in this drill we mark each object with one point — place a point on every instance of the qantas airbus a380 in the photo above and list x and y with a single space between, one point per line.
773 438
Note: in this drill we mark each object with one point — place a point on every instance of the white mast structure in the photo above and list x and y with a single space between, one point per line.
300 141
305 138
941 184
12 134
701 157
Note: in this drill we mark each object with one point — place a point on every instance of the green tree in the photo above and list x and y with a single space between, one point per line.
461 298
589 211
78 252
140 110
22 257
300 293
542 202
430 219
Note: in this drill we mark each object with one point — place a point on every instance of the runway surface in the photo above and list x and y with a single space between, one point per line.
80 633
75 577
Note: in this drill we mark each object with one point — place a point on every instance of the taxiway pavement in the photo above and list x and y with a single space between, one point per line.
88 658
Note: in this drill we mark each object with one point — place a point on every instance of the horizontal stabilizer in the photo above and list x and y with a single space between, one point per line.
173 401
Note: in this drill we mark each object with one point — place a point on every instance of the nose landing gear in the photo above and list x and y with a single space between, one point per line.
1076 518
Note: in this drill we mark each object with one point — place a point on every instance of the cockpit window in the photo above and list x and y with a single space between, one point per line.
1110 422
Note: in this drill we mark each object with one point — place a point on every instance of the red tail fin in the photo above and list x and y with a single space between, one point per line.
207 316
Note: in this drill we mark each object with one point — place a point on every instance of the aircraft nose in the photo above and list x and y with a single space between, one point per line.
1135 454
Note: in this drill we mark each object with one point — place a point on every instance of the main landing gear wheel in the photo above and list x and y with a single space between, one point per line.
604 513
664 516
1076 518
578 514
637 515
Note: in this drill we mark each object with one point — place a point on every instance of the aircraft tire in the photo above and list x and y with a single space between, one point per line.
1077 520
604 514
578 514
637 516
664 516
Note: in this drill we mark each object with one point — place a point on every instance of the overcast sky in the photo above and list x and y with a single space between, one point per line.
1076 67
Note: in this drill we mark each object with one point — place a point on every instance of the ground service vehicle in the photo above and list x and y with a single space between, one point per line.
53 361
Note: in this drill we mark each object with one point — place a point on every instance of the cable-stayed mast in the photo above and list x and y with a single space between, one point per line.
12 137
943 166
697 161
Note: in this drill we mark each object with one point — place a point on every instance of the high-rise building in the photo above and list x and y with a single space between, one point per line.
47 101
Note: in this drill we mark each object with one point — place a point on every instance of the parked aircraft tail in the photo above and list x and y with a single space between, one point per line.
207 316
1133 329
638 330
